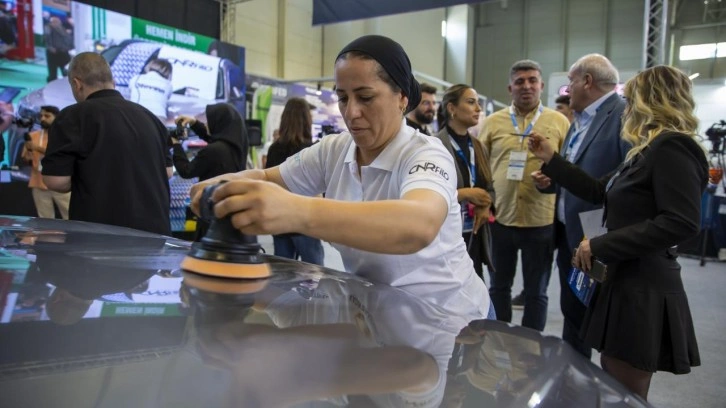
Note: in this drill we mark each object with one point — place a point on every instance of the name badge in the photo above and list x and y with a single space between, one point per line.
517 160
467 216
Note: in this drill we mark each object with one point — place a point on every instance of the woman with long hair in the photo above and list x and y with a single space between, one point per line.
296 133
461 110
639 318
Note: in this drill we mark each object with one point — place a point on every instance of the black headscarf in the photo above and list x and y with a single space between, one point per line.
394 61
225 123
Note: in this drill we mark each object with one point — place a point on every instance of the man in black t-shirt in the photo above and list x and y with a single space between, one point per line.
110 152
421 117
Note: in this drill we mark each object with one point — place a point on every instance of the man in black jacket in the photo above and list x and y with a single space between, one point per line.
226 151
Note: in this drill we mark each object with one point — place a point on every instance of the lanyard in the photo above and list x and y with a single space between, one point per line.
531 124
472 164
573 141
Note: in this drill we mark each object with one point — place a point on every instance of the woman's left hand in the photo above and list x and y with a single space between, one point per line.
583 256
481 216
260 207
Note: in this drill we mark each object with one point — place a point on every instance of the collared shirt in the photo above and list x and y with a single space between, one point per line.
519 203
582 123
421 128
442 273
108 132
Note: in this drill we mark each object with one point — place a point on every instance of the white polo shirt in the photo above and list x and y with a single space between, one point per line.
442 273
152 91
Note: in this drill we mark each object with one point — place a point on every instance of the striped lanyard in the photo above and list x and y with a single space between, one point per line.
531 124
472 163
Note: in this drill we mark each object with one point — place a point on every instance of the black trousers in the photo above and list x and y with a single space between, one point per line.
572 309
56 60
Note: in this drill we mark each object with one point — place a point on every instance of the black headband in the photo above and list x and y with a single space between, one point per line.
394 61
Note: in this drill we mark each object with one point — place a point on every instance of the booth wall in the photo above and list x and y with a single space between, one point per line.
418 32
279 38
555 33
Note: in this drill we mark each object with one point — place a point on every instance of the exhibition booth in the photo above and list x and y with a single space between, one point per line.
205 71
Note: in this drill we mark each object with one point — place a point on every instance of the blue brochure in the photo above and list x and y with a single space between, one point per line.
582 285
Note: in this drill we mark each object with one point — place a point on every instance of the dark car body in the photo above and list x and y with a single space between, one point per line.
100 316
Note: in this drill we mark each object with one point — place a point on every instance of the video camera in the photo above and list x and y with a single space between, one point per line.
716 133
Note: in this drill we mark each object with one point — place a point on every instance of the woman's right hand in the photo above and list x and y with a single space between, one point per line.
196 192
185 120
477 196
540 180
540 147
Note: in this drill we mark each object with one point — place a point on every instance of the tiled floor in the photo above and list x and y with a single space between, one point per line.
705 387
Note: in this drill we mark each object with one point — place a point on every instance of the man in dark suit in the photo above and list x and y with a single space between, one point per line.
594 144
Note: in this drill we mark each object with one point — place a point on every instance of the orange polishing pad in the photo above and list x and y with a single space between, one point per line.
224 286
226 269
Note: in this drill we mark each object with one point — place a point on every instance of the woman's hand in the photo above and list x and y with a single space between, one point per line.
583 256
272 175
540 147
475 195
195 193
260 207
540 180
185 120
481 216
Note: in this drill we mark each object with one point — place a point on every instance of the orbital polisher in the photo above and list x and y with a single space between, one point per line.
224 251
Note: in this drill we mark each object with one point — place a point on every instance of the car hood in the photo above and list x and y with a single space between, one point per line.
102 315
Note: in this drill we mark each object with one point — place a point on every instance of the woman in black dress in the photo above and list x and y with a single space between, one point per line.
461 110
639 317
296 133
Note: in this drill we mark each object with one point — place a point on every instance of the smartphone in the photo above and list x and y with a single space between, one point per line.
599 270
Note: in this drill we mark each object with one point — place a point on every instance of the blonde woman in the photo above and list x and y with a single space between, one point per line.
639 317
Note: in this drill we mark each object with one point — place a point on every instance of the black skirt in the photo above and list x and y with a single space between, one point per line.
641 315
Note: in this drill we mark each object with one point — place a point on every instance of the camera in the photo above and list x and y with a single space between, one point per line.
178 133
23 122
716 134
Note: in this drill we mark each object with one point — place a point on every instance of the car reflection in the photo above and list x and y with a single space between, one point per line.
132 329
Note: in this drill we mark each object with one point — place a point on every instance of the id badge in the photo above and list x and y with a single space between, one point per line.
467 216
517 161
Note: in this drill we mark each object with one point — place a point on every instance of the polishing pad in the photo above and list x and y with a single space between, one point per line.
224 286
226 269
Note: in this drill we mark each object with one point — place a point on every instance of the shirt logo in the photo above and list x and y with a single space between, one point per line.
429 166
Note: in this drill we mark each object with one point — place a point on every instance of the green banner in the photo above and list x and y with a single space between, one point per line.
98 21
140 309
169 35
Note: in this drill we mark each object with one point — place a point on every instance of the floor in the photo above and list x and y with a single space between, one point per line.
705 386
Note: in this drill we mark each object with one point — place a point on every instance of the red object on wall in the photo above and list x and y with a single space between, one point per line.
25 48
